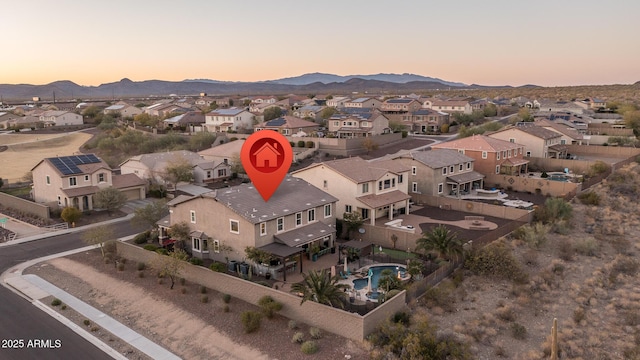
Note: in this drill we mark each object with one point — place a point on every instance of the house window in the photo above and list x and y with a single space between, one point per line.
205 246
59 200
400 178
48 180
208 174
450 169
86 178
414 170
563 142
298 219
73 181
440 188
222 172
234 226
327 210
497 169
263 229
325 183
414 187
468 165
336 123
195 244
444 171
192 216
311 215
101 177
365 188
512 140
216 246
280 224
385 184
460 167
528 153
347 208
498 155
504 154
484 154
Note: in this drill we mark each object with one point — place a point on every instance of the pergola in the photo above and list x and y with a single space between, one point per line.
282 252
363 247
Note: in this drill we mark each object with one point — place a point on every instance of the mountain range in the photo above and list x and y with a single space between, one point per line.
313 83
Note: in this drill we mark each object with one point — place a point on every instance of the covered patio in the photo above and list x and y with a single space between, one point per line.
462 184
514 167
387 204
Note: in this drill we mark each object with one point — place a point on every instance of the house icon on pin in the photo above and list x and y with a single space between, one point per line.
267 156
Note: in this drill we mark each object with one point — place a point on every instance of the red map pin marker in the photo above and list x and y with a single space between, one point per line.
266 157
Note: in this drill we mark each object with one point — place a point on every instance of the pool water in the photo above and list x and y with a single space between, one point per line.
360 284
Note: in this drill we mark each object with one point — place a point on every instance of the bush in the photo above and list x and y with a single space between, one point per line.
309 347
63 307
589 198
217 267
250 321
120 266
86 322
204 299
140 274
196 261
518 331
56 302
226 308
301 143
587 246
298 338
162 251
269 306
579 314
292 144
226 298
141 266
142 237
497 260
150 247
202 289
401 317
293 324
405 134
315 333
310 144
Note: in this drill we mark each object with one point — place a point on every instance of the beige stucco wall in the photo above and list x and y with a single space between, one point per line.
24 205
43 192
471 207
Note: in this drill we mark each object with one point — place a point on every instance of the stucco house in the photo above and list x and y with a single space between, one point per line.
538 141
490 155
210 171
228 152
358 124
231 119
448 106
373 189
225 222
192 121
425 120
58 118
152 167
288 125
309 111
568 134
363 103
125 110
400 105
337 101
441 172
73 180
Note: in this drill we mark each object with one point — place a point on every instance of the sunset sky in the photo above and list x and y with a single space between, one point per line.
493 42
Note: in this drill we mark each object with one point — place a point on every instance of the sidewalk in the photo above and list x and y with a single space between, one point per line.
34 288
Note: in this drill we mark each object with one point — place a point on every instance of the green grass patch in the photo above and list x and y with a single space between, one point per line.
395 253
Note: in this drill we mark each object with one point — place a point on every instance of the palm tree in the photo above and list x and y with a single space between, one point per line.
320 287
442 240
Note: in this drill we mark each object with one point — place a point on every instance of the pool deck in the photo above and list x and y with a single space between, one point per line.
361 296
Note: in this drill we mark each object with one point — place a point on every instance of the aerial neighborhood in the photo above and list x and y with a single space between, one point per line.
385 198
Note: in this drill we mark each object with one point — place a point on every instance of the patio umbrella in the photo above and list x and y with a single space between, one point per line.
370 273
346 269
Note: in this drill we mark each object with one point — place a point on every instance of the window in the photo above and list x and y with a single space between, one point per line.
205 246
497 169
222 172
528 153
347 208
311 215
400 178
208 174
73 181
59 200
298 219
498 155
484 154
468 165
280 224
414 170
263 228
365 188
325 183
563 142
460 167
234 226
504 154
386 184
414 187
48 180
216 246
444 171
327 210
336 123
86 178
192 216
101 177
512 140
195 244
440 188
451 169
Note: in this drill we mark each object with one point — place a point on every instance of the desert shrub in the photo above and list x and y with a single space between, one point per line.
226 308
310 144
269 306
599 167
160 281
56 302
182 281
120 266
553 210
250 321
579 314
141 266
301 143
292 324
298 338
506 313
535 235
150 247
226 298
109 247
530 257
217 267
315 333
141 274
204 299
309 347
86 322
624 265
401 317
196 261
440 296
63 307
183 290
589 198
202 289
587 246
496 260
162 251
94 328
565 249
142 237
518 331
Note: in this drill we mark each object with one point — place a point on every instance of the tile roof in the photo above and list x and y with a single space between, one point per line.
438 159
159 160
127 180
563 129
226 112
477 143
305 234
80 191
466 177
375 201
228 149
288 122
536 131
359 170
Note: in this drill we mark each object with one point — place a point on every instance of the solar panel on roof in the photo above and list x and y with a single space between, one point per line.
68 165
276 122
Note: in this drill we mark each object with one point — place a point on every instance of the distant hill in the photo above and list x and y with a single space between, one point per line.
330 78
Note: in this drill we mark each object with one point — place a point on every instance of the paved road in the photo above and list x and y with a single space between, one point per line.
20 320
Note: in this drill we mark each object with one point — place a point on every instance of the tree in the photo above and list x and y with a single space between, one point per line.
109 199
70 214
525 115
327 112
181 233
555 210
632 120
170 265
201 140
320 287
149 215
98 236
91 112
490 110
145 119
353 221
1 182
369 144
236 164
388 281
272 112
180 169
442 240
396 126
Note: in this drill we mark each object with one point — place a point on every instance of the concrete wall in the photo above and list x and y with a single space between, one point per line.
503 212
533 185
336 321
24 205
379 235
608 151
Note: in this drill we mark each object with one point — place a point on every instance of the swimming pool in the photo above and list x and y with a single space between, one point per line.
375 271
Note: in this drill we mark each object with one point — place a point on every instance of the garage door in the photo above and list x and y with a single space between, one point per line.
133 194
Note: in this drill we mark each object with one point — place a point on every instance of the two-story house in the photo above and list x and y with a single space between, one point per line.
538 141
337 101
373 189
152 167
448 106
73 180
192 121
358 124
400 105
123 109
226 221
568 134
309 111
58 118
490 155
363 103
231 119
425 120
441 172
289 125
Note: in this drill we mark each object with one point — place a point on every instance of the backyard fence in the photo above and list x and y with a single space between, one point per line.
420 287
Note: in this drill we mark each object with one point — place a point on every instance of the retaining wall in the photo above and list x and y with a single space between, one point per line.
27 206
473 207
